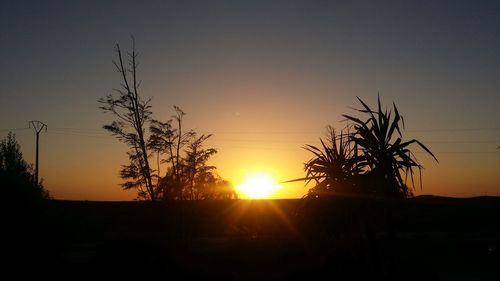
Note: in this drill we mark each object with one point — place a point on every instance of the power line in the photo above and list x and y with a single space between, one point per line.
249 147
462 152
244 142
79 135
305 141
456 130
318 132
98 131
13 129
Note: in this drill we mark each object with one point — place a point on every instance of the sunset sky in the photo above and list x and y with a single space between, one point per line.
264 77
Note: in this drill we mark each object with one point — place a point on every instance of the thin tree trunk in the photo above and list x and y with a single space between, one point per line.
138 126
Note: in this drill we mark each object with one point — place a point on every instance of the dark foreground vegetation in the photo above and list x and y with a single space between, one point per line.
423 238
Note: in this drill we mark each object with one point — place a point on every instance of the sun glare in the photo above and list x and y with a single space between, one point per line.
257 186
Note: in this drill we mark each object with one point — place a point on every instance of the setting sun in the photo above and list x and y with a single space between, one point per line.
258 186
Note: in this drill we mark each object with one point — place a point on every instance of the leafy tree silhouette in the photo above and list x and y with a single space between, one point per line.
217 188
188 175
132 113
170 141
26 205
197 171
16 175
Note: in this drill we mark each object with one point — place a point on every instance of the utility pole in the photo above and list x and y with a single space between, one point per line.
38 126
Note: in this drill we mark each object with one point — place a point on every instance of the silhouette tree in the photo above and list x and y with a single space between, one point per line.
169 142
217 188
188 176
197 172
17 178
133 114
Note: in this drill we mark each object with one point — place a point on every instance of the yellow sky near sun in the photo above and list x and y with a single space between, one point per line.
88 170
86 167
84 164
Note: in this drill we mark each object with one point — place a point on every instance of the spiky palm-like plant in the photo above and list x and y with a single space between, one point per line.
333 166
384 156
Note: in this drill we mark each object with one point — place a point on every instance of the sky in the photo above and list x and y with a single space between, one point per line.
264 77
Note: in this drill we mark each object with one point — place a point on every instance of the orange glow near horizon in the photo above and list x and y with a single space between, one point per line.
258 185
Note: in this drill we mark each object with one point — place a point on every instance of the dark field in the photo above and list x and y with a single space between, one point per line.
429 238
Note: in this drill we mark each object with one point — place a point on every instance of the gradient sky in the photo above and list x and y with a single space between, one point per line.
264 77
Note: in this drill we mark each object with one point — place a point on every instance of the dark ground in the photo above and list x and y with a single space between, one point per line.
430 238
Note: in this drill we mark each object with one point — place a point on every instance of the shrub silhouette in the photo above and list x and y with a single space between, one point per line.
349 212
367 158
384 156
333 167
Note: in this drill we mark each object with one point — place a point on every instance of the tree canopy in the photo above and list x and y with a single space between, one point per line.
17 177
180 151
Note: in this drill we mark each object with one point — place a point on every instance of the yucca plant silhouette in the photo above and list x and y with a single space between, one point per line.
367 160
333 166
385 158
